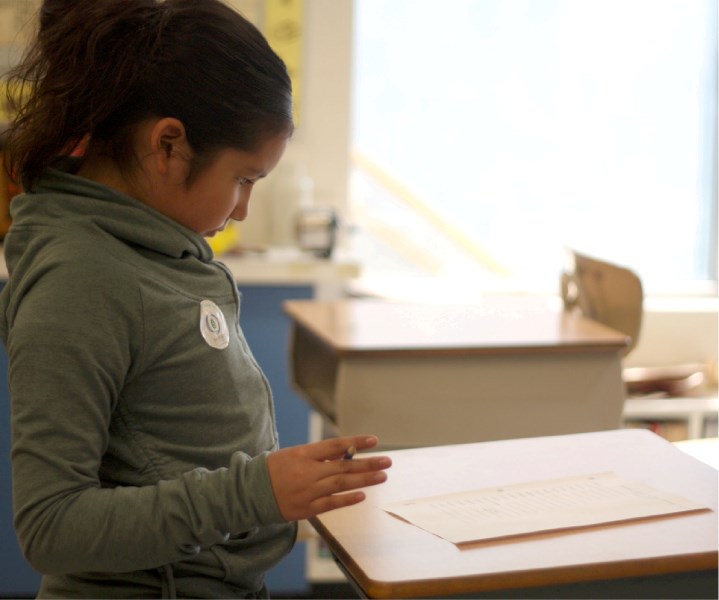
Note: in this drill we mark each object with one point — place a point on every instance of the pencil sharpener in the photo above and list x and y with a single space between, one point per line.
316 230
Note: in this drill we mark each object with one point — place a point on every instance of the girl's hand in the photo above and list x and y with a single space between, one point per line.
310 479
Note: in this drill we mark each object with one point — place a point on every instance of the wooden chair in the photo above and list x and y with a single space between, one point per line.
604 292
613 295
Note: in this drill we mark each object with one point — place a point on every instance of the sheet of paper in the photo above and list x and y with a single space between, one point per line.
538 506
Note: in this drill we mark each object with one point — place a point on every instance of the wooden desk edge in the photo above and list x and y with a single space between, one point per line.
344 351
704 561
439 351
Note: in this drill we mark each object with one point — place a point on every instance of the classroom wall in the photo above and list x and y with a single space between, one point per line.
321 141
677 331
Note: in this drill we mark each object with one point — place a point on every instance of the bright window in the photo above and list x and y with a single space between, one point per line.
489 135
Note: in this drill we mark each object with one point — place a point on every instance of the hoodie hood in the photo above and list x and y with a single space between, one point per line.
60 199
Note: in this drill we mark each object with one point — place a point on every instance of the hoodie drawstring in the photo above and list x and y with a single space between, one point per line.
168 582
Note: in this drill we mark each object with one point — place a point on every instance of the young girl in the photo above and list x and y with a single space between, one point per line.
145 455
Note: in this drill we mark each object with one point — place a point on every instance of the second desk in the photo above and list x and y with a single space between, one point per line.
423 374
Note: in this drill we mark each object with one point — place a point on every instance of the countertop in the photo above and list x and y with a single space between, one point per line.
276 266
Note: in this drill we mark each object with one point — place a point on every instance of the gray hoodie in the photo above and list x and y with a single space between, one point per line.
141 421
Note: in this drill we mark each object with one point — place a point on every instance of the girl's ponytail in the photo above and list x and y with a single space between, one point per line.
98 68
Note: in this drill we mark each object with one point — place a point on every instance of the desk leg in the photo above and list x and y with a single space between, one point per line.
351 580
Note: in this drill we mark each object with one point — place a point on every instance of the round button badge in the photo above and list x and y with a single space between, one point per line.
213 325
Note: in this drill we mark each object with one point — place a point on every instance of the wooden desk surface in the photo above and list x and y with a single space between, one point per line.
354 327
390 558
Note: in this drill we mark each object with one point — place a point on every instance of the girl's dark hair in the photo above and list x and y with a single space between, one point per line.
98 68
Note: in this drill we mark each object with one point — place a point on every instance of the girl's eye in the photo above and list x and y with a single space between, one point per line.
242 181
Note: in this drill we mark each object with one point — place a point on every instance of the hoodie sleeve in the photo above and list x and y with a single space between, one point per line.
71 344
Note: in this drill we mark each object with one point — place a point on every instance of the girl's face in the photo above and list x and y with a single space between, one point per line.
221 192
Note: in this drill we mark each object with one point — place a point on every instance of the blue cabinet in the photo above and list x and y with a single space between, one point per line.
267 331
17 579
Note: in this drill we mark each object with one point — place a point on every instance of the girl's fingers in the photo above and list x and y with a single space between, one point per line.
314 478
337 501
341 483
335 448
330 468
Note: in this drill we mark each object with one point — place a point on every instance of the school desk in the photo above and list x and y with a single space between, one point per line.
425 374
659 557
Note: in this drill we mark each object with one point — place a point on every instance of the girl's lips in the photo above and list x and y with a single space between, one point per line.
214 231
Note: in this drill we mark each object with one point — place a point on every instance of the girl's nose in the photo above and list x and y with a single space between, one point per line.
243 205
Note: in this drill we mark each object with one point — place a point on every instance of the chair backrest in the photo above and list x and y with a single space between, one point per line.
604 292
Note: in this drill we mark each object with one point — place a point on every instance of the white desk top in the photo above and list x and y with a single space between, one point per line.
391 558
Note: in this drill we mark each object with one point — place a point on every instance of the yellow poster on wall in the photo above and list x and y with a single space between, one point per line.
10 98
283 28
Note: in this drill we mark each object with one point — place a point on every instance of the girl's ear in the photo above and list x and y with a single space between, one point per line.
168 141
